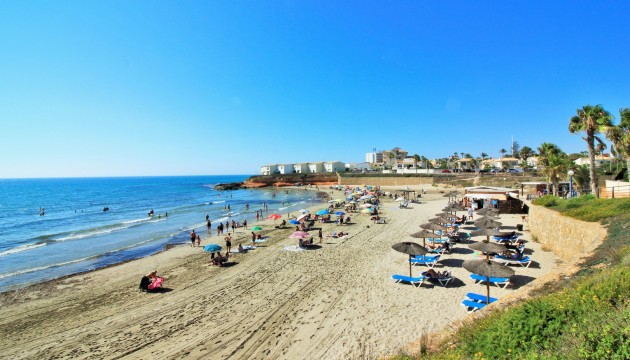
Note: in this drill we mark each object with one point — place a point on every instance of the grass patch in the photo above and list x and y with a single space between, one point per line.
587 208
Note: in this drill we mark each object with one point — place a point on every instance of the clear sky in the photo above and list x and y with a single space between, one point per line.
115 88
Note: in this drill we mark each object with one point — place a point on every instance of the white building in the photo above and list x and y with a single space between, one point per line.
285 169
317 167
358 167
268 169
599 160
334 166
374 157
301 168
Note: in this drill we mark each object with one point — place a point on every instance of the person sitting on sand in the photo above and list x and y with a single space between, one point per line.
151 281
241 249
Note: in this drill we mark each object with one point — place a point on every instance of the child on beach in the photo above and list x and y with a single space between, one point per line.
198 240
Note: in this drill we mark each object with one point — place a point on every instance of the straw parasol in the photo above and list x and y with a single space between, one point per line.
410 248
487 223
488 269
485 211
424 234
433 226
487 232
487 247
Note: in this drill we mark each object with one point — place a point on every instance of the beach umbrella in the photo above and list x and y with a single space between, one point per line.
410 248
424 234
340 213
487 223
485 211
294 222
488 269
433 226
322 212
299 235
212 247
487 247
332 201
257 228
302 217
487 232
274 216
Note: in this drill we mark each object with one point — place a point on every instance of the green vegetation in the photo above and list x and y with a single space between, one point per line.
588 317
587 207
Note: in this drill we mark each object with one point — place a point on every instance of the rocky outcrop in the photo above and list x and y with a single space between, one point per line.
291 179
229 186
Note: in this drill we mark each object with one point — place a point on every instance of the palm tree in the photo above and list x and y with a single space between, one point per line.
557 165
591 120
620 136
503 152
484 156
545 150
581 176
416 160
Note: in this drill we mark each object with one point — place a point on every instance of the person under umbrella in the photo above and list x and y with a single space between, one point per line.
410 248
488 269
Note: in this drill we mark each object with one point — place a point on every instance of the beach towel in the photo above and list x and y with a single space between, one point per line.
156 283
293 248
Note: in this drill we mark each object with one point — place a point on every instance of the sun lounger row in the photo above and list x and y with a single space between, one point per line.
418 281
524 262
429 261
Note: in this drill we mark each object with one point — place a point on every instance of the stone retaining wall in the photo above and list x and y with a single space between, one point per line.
568 238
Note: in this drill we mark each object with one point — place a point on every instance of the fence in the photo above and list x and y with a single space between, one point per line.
615 190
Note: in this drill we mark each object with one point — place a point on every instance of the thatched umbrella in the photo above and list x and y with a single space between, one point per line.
487 232
488 269
433 226
424 234
487 247
487 223
485 211
440 220
410 248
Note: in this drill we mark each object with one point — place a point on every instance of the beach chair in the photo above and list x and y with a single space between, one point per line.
443 281
500 282
480 298
429 261
416 281
524 262
472 306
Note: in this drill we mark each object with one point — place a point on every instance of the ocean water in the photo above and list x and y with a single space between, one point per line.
74 234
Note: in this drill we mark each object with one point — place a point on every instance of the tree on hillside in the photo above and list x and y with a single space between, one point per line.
591 120
620 136
556 169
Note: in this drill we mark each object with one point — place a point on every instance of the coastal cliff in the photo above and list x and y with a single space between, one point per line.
291 179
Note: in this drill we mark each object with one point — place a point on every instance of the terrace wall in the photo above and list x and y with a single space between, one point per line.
568 238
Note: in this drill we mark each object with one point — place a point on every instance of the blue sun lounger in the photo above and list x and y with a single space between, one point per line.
501 282
480 298
429 261
417 281
525 262
472 306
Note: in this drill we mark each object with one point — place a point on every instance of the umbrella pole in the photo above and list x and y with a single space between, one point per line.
487 290
409 265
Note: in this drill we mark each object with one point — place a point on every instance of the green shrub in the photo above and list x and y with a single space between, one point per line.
547 201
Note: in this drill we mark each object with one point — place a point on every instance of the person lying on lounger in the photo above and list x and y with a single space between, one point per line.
514 255
435 274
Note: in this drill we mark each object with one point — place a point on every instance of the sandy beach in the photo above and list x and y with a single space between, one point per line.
333 302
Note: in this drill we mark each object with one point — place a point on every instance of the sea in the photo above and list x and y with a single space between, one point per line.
51 228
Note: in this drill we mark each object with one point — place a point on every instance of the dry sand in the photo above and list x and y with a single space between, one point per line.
335 302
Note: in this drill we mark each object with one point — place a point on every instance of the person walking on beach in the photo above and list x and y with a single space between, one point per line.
471 212
245 223
208 225
219 229
193 237
228 242
321 236
198 240
257 216
253 238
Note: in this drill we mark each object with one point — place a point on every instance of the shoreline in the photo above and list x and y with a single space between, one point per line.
337 301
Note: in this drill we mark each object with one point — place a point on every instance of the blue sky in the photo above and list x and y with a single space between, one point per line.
119 88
